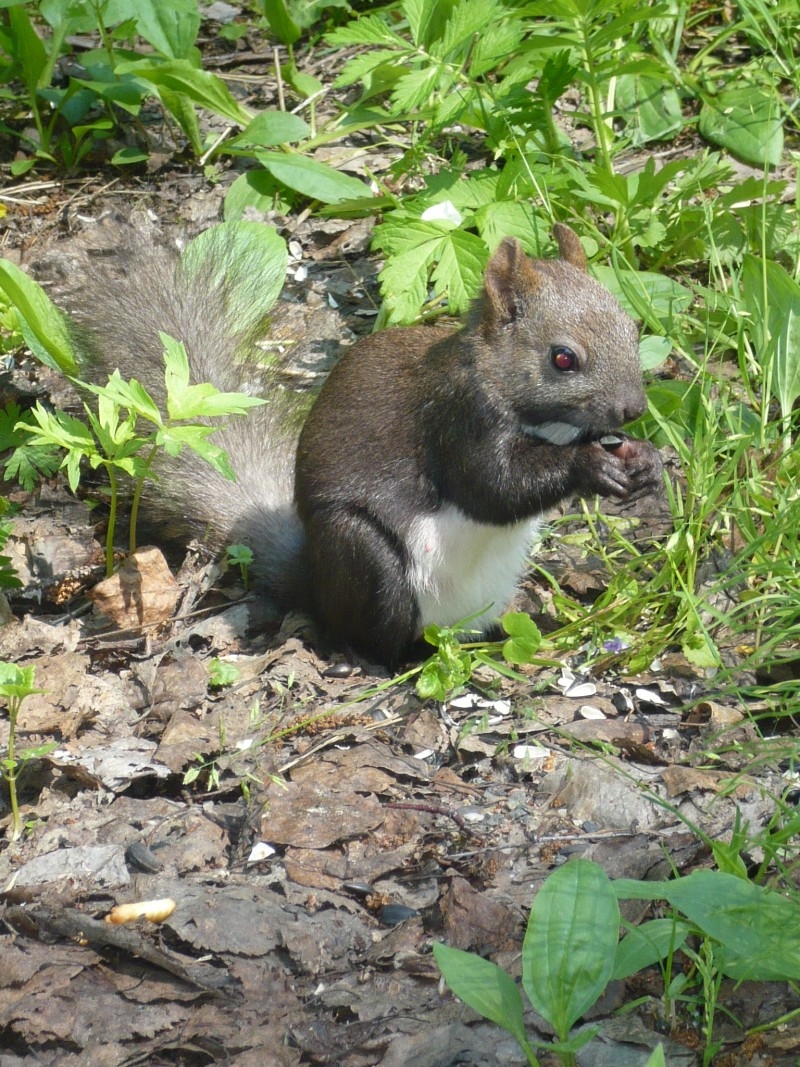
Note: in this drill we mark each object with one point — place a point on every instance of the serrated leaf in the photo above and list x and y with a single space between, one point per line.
358 68
313 179
459 271
414 89
369 29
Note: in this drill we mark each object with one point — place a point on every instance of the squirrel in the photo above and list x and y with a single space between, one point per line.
416 484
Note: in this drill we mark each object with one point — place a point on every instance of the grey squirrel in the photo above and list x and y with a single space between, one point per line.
421 473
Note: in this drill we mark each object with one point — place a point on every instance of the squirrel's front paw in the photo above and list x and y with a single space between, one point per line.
628 469
643 467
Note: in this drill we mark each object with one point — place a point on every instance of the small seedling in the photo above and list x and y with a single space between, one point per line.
242 557
16 683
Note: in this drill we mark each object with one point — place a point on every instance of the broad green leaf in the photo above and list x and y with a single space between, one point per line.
650 107
648 944
250 258
570 944
28 48
758 929
203 89
772 300
281 22
254 188
484 987
747 121
170 28
524 637
42 325
180 106
656 1058
272 128
313 179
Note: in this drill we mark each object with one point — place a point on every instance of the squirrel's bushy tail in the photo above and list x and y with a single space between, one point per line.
125 297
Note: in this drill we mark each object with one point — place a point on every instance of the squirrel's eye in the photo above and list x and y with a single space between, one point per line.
563 358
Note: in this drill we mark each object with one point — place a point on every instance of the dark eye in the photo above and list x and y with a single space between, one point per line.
563 358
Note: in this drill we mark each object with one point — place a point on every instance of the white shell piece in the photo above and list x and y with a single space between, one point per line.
530 752
260 851
588 711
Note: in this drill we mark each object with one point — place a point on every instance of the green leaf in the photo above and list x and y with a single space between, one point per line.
203 89
570 944
281 22
170 28
525 637
648 944
758 929
272 128
257 189
459 271
747 121
370 29
484 987
42 325
313 179
651 108
772 300
250 258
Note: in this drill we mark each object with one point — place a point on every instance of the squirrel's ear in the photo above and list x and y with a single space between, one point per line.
569 246
510 277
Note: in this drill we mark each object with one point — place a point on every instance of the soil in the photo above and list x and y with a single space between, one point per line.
317 829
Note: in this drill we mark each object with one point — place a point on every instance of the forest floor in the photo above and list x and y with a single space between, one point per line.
317 828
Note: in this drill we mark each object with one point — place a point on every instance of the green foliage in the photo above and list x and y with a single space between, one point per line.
454 662
572 948
221 674
8 576
115 435
17 683
242 557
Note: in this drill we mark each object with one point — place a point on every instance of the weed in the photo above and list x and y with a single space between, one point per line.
17 683
572 949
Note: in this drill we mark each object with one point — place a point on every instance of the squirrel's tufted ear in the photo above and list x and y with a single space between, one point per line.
509 279
569 246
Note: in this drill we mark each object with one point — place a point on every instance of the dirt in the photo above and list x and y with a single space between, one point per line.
317 829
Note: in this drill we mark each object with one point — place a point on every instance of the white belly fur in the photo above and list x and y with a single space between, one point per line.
460 566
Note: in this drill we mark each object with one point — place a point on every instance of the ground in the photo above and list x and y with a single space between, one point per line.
317 829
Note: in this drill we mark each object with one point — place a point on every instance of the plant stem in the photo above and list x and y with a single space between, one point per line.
137 496
112 520
11 773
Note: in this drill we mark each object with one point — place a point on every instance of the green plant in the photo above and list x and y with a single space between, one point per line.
242 557
17 683
572 948
221 674
113 441
455 660
253 260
